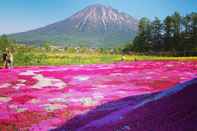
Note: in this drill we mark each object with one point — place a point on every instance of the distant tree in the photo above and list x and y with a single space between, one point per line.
186 33
65 48
46 46
169 32
142 42
186 22
127 48
189 32
177 43
101 50
176 23
194 29
156 34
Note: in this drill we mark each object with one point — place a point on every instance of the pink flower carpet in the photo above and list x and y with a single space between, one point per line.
91 97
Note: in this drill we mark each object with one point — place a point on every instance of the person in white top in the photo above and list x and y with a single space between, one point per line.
9 59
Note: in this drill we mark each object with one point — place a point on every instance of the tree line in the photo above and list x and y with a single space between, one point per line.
175 33
5 42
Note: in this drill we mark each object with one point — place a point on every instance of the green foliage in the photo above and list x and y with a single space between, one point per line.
46 45
27 56
128 48
176 34
156 34
142 42
4 43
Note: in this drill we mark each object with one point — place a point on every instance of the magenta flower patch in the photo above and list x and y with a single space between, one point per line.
44 98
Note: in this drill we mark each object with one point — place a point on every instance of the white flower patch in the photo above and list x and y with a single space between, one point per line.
105 68
34 101
98 96
4 99
21 81
18 86
148 77
44 81
6 85
13 106
164 77
122 92
81 78
27 73
169 65
66 95
116 74
21 110
101 86
183 78
61 100
150 72
51 70
74 100
87 101
53 107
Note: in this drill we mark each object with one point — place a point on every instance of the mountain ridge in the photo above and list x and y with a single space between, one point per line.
94 26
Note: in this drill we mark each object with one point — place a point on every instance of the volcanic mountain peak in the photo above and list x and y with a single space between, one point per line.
107 17
94 26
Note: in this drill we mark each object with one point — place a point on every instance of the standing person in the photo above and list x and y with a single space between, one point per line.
9 59
5 57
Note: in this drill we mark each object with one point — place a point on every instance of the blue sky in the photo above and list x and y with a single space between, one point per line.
23 15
